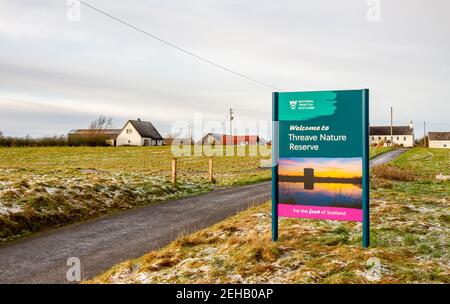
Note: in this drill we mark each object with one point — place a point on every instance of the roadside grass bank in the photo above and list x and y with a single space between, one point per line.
425 162
410 240
48 187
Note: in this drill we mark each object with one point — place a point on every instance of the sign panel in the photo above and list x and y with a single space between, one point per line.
320 147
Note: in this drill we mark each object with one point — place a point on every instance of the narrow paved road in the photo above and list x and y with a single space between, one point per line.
104 242
387 157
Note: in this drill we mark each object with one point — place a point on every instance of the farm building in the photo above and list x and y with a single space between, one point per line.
134 133
108 135
439 140
239 140
178 141
401 135
139 133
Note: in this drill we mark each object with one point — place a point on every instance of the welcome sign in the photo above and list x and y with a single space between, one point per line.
320 145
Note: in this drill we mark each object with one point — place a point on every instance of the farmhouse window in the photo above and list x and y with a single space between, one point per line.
373 137
404 138
398 138
129 131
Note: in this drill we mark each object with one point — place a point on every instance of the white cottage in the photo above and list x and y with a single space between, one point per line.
439 140
401 135
139 133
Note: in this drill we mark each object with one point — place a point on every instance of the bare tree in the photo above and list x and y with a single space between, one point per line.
102 123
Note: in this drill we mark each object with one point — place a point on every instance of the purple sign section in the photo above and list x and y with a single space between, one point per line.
323 213
320 188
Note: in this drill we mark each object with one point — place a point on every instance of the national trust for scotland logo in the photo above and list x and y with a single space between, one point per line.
293 104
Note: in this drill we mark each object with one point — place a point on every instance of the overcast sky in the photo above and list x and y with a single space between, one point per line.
57 75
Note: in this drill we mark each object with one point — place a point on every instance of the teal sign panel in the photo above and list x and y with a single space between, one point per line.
320 146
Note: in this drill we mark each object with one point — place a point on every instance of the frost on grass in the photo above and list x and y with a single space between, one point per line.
49 200
412 249
410 237
48 187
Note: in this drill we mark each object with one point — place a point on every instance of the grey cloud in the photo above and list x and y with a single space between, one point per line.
99 65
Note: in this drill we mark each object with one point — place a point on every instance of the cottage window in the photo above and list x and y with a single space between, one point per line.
373 137
129 131
398 137
404 138
379 137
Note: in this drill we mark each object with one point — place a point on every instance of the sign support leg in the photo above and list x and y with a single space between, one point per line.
274 204
366 168
275 166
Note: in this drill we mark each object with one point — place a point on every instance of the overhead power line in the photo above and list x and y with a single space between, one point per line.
253 111
179 48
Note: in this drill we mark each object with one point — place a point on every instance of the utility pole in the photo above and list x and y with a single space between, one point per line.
424 134
392 126
190 133
231 123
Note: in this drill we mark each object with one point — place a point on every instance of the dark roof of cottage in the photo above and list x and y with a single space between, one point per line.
386 130
439 135
146 129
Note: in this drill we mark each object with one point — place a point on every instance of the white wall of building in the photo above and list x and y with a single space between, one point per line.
443 144
405 140
129 136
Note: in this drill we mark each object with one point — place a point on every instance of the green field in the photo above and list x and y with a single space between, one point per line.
425 162
410 237
48 187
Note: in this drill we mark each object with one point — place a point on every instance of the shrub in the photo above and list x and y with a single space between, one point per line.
54 141
93 141
33 142
393 173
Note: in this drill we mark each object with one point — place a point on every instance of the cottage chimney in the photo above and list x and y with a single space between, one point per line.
139 119
411 125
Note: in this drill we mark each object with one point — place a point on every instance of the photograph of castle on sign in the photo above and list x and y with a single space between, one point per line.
335 182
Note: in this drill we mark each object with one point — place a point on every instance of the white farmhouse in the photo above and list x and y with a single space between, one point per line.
139 133
401 135
439 140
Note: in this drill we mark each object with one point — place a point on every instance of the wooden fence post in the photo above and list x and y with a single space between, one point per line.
210 170
174 170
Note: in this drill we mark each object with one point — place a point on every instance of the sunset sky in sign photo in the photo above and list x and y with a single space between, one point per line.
323 167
